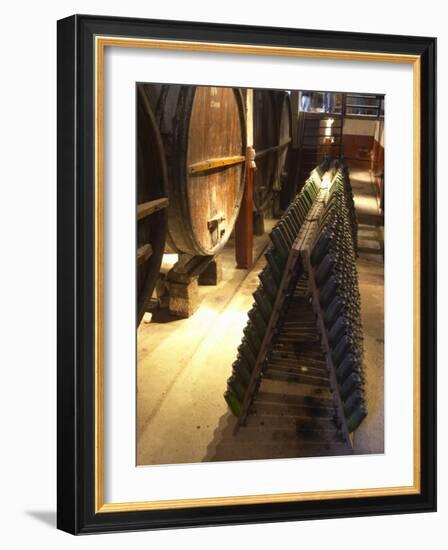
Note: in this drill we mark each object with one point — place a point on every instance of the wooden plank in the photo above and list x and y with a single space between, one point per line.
292 410
268 150
295 118
212 164
145 209
354 106
294 378
246 450
305 358
364 117
293 367
143 254
265 396
244 226
188 268
249 117
270 421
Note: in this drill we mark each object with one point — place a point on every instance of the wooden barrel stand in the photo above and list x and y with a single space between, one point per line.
152 204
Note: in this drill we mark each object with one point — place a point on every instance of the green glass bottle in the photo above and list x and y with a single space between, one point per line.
268 281
236 387
277 270
242 372
233 402
241 359
321 247
257 320
355 399
286 232
264 303
245 350
279 244
348 365
356 417
252 337
352 382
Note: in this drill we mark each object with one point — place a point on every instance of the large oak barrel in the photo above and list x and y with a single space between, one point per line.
204 134
272 135
151 203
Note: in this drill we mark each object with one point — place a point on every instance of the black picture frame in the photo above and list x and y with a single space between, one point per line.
76 225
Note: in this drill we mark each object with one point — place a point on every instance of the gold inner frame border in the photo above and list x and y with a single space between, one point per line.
100 44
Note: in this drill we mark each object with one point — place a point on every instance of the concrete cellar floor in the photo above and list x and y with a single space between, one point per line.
369 438
183 364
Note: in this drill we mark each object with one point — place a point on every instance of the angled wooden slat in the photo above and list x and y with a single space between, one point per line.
286 368
263 152
143 254
212 164
277 374
145 209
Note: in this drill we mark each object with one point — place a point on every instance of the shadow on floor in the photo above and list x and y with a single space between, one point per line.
163 316
370 219
275 438
47 517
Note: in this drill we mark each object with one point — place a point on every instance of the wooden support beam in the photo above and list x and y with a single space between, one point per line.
295 118
145 209
143 254
188 268
272 149
244 227
356 106
212 164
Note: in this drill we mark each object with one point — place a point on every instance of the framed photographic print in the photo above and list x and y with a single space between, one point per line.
246 274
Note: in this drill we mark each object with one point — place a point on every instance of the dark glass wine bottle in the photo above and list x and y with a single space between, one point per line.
356 417
233 402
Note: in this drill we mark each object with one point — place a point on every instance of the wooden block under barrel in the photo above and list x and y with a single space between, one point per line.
184 298
212 274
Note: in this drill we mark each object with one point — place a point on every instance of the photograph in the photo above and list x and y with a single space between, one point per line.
246 311
229 213
259 273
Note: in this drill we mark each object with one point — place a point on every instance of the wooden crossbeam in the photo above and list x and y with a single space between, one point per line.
356 106
145 209
268 150
143 254
212 164
244 226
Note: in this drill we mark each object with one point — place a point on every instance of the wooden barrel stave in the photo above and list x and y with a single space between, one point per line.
272 137
151 213
285 128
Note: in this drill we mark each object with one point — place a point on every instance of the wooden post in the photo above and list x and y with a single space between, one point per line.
295 119
244 226
244 232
